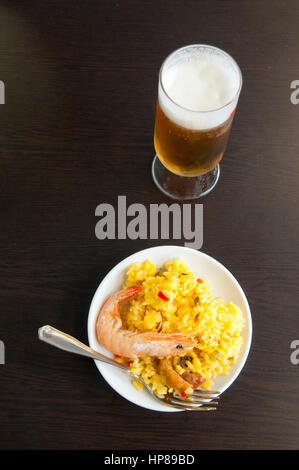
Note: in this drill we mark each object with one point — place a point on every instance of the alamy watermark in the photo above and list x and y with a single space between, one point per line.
294 357
294 97
2 92
159 221
2 352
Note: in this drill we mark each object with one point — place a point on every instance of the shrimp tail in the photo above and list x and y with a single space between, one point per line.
181 383
127 293
109 322
173 379
111 306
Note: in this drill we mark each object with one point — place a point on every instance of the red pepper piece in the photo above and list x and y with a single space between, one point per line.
183 394
199 280
162 296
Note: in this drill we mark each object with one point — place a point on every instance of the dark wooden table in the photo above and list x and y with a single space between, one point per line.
77 130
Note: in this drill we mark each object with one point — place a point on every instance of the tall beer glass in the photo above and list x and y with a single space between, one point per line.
199 87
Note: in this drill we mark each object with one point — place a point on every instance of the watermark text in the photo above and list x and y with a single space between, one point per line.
2 92
294 97
2 353
294 357
158 221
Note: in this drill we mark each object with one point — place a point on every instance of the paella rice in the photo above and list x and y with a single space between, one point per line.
175 300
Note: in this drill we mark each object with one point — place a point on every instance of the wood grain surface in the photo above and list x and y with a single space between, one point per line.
77 130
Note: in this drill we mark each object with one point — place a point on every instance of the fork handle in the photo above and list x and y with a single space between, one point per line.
61 340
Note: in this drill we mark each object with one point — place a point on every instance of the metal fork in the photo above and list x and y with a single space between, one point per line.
199 400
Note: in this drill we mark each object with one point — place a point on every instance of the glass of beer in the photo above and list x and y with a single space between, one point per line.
199 87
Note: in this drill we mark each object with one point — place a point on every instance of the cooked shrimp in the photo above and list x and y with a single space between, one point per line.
126 343
181 383
173 379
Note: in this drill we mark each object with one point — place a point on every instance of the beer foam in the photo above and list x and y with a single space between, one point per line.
202 83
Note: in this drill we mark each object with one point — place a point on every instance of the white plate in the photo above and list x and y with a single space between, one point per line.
223 284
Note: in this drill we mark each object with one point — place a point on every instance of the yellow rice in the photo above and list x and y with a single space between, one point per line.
191 309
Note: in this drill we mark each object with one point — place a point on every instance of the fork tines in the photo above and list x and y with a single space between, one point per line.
200 400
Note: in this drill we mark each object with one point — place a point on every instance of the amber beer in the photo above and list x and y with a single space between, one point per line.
198 92
189 152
